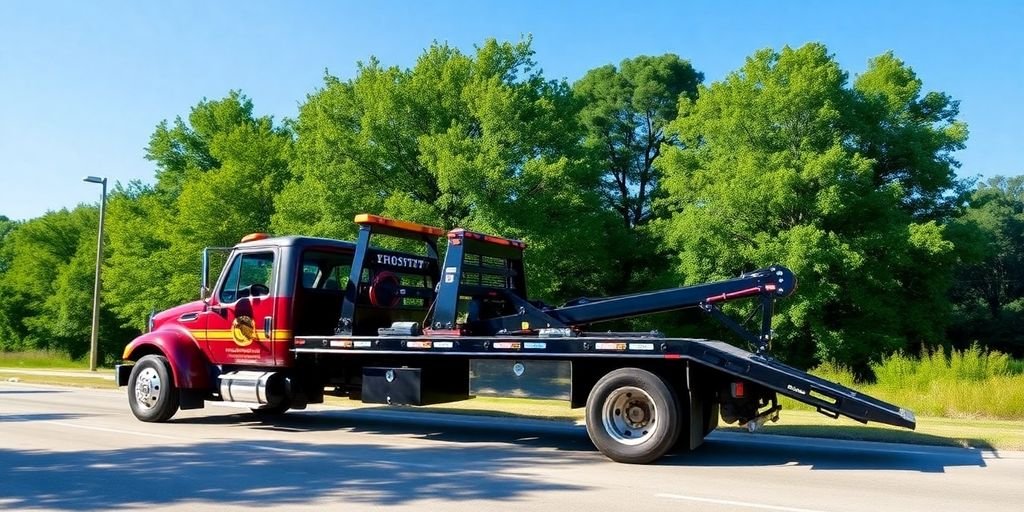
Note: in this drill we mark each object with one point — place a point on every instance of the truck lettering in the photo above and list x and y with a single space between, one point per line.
400 261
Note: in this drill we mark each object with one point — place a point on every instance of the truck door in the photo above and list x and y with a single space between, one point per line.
240 326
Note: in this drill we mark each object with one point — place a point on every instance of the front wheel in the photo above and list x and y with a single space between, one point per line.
632 416
151 391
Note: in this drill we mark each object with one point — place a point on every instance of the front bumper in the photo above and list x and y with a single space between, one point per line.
121 374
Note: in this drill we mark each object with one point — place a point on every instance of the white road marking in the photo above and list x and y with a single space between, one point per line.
115 430
733 503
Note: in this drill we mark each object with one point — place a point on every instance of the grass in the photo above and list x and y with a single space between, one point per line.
972 383
40 359
966 433
101 381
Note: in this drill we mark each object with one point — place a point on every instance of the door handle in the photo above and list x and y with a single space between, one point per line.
268 326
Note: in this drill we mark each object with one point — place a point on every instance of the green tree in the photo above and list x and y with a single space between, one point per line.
770 171
910 136
989 288
10 313
625 110
47 287
480 141
217 176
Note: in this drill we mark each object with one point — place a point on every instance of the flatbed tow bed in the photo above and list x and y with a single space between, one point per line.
829 398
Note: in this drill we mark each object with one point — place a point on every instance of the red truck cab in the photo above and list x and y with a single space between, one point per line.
270 290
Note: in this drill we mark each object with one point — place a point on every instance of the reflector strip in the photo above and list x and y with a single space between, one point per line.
610 346
443 344
366 218
641 346
507 345
418 344
733 295
363 344
535 345
341 343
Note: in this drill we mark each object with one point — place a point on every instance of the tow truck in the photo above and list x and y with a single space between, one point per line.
289 317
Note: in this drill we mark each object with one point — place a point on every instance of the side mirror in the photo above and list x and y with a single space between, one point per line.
253 290
204 279
258 290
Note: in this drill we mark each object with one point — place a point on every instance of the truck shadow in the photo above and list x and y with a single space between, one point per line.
732 450
274 462
722 449
267 473
441 427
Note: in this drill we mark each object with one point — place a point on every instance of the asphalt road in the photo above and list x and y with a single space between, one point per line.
73 449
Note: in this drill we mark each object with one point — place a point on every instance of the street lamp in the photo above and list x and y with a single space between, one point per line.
94 342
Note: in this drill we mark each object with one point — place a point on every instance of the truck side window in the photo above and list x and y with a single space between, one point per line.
338 278
325 270
247 270
310 271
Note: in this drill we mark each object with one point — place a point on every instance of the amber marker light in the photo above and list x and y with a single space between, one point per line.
366 218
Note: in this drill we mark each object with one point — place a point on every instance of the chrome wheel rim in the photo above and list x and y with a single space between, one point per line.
147 388
630 415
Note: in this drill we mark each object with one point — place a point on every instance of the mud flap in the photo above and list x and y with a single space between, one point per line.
702 412
192 399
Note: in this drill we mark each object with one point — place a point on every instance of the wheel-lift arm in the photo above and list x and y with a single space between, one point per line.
773 282
767 284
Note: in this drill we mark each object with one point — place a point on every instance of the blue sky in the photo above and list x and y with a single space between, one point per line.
82 84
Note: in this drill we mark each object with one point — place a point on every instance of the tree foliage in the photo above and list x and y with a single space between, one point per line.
480 141
625 111
772 169
989 286
636 175
47 287
217 176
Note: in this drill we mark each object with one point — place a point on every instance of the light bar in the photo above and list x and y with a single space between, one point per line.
491 239
366 218
252 237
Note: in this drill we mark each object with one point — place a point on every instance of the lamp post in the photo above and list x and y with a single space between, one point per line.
94 342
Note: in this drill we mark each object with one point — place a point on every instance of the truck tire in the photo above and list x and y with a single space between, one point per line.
152 394
632 416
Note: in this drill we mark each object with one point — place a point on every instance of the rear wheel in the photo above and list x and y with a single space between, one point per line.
632 416
151 391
